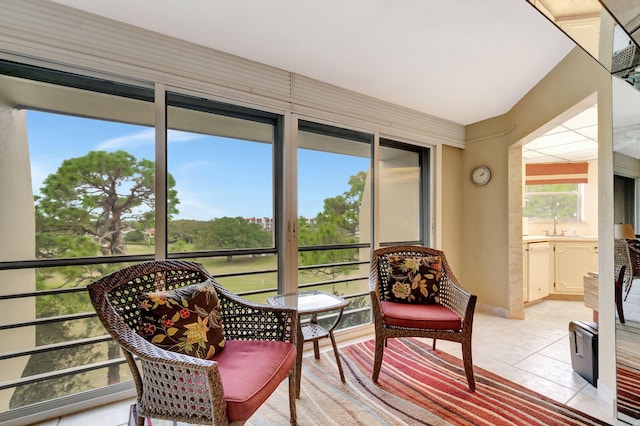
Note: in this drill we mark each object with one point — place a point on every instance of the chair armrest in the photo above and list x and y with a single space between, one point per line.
458 300
163 371
163 376
244 320
376 306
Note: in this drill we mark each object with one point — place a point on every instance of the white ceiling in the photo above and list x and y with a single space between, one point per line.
576 139
462 60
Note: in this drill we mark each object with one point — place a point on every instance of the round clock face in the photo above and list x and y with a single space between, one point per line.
481 175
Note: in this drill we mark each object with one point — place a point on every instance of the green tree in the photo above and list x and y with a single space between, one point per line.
95 197
185 229
84 209
232 233
551 200
337 224
46 334
343 211
144 224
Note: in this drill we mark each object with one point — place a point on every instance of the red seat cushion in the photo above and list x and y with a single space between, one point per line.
251 370
431 317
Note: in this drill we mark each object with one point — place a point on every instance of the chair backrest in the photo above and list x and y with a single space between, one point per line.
380 267
621 255
116 295
633 245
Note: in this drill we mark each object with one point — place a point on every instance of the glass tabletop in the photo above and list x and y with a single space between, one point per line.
309 301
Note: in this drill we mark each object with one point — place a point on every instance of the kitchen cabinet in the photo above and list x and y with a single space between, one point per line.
539 268
555 266
573 260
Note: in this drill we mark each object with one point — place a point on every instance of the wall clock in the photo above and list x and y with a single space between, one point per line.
481 175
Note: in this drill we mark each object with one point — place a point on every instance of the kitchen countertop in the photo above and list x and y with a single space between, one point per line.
556 238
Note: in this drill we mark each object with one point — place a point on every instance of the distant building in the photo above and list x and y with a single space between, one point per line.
264 222
267 222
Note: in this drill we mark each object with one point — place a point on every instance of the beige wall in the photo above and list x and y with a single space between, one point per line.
491 221
449 234
486 224
17 227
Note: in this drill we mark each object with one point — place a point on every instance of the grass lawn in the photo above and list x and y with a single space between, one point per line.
247 265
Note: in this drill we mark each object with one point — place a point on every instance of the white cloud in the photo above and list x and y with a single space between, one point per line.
144 137
194 208
195 165
178 136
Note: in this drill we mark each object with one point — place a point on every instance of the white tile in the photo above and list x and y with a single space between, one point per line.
559 350
500 350
539 384
587 401
524 340
490 363
112 414
552 370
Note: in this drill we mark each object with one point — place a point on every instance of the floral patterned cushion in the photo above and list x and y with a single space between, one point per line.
185 320
414 279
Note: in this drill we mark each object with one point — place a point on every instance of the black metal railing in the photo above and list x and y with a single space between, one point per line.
89 338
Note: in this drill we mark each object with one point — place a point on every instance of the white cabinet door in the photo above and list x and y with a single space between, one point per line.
525 272
539 270
573 260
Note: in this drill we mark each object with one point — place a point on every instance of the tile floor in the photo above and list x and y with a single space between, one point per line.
533 352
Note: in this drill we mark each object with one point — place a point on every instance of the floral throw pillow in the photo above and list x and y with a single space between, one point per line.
185 320
414 279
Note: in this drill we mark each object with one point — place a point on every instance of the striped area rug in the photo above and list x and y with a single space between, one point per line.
436 382
416 387
628 382
628 368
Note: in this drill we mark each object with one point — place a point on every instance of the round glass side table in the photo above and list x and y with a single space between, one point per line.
312 303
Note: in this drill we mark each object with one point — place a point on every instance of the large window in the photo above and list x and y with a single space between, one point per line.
334 209
221 159
78 202
81 159
403 191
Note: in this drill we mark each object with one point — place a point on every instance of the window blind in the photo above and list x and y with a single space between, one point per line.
550 173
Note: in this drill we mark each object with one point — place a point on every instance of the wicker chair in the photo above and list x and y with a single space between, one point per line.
392 319
633 245
624 254
208 391
619 281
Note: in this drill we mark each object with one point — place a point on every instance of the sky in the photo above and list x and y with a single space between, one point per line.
215 176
